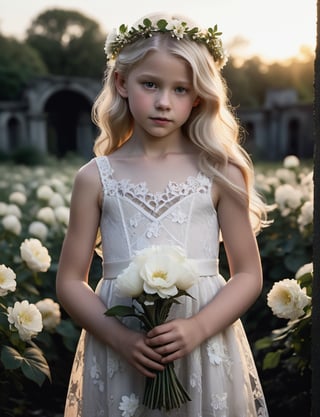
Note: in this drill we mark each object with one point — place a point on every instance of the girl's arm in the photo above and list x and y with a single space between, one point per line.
179 337
73 291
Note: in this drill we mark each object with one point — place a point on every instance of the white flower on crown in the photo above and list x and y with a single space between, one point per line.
177 27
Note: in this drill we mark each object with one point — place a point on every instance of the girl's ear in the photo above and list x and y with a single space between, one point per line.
196 102
121 84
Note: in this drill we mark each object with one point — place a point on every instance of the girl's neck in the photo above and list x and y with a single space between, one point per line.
154 148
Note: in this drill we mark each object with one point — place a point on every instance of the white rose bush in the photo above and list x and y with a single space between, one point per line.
34 212
286 250
154 279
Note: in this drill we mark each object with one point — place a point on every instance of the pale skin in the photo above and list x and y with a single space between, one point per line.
160 95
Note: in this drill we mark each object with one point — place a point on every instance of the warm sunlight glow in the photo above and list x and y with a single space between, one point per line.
274 30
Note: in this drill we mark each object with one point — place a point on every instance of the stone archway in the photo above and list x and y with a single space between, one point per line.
65 112
59 115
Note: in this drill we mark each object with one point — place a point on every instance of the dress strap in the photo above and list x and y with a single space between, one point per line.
205 267
105 169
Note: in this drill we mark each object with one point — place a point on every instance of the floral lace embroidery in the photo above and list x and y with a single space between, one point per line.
113 367
153 203
159 202
195 382
219 404
153 230
178 216
95 374
218 356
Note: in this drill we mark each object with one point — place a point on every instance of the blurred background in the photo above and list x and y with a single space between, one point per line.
52 64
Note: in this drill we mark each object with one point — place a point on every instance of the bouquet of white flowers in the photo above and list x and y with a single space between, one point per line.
155 278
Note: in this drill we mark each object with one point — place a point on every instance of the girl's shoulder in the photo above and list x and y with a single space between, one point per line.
234 174
88 174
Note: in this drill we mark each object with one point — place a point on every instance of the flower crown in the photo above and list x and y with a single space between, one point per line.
210 37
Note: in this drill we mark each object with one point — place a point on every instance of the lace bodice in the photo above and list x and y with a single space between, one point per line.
133 217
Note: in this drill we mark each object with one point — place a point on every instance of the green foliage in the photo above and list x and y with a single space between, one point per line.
250 81
18 64
68 42
27 155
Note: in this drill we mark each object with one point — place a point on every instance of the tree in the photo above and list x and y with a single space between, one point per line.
18 64
315 335
68 42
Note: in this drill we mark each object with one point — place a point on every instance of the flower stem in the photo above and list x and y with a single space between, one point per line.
165 391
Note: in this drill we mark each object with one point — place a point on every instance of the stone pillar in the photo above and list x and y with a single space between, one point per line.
38 132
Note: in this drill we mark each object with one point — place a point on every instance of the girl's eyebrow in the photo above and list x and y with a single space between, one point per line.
156 77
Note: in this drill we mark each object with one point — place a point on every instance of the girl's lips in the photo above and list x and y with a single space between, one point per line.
160 120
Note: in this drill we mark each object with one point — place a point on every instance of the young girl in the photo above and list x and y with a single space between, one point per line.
169 170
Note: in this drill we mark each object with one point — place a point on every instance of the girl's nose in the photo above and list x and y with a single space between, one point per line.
163 100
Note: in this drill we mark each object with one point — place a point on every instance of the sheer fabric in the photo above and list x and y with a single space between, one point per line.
220 375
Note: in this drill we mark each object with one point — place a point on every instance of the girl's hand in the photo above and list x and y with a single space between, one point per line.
139 355
175 339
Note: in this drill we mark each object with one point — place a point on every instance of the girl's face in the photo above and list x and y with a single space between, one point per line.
160 93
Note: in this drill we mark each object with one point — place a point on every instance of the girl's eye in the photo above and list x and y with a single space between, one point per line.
181 90
149 84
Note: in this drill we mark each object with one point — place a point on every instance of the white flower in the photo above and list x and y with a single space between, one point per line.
26 318
50 312
306 215
14 209
62 214
7 280
307 186
287 299
44 192
304 269
35 255
129 282
3 208
18 197
177 28
165 270
159 274
11 223
56 200
291 161
46 215
39 230
287 198
129 405
158 270
286 176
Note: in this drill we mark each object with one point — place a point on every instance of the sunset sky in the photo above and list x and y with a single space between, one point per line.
273 29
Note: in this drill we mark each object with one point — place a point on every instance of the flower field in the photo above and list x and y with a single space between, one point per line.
37 339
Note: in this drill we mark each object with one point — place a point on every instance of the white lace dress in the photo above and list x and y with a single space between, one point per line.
220 375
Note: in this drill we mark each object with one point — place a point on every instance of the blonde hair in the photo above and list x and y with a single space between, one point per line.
211 126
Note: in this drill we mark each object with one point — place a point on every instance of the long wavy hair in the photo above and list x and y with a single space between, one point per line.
212 125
